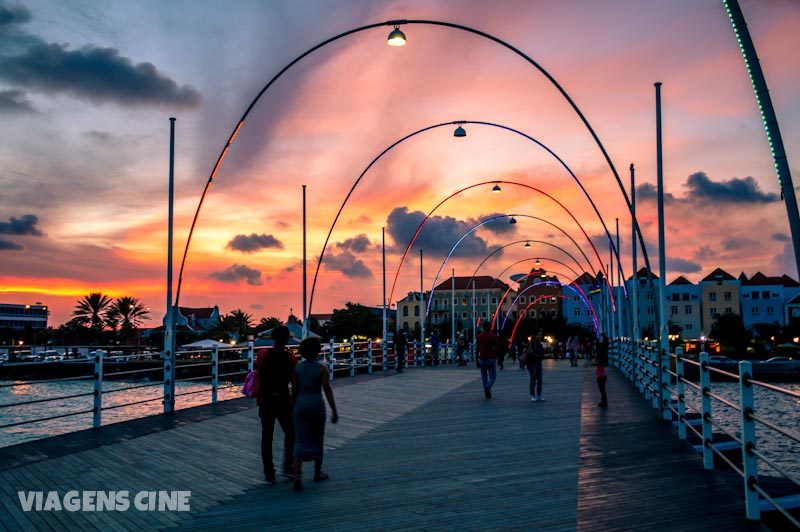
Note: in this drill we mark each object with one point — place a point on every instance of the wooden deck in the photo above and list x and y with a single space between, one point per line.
418 451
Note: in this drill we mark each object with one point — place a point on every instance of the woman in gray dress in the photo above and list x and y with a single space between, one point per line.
309 380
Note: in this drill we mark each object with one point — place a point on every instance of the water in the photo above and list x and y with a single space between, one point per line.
780 409
30 392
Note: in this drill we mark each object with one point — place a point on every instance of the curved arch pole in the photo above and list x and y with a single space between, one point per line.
429 128
519 319
514 303
585 302
484 222
468 29
513 183
577 288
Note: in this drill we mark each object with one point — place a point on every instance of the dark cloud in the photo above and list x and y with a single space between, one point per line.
781 237
358 244
437 237
14 14
678 264
253 243
100 75
734 190
13 101
21 226
649 192
501 226
8 245
282 224
733 243
256 306
705 253
347 263
238 273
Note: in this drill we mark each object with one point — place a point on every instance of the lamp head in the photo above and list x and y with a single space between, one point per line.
496 188
460 132
538 263
512 221
396 37
527 244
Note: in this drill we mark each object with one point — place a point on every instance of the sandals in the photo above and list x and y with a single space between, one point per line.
321 477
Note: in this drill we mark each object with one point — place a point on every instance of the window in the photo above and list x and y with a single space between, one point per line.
756 295
574 299
650 311
464 301
765 294
728 310
712 296
532 314
553 313
726 296
649 295
416 310
483 301
687 310
754 311
464 315
522 299
494 301
687 327
674 310
770 310
675 297
483 314
576 312
405 311
712 311
446 301
685 296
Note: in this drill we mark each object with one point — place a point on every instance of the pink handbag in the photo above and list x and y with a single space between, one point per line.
250 386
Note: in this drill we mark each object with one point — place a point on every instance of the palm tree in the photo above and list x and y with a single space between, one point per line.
90 311
242 322
127 312
268 323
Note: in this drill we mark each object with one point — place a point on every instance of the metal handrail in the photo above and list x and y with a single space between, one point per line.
777 506
35 401
232 374
775 466
774 388
123 405
189 379
133 371
50 418
723 401
115 390
722 372
197 365
769 424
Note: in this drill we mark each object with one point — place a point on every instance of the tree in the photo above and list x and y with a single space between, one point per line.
241 322
730 332
127 313
355 319
90 311
268 323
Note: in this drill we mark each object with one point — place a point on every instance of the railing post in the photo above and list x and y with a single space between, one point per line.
331 362
385 354
705 389
749 460
646 372
250 349
251 361
655 378
352 357
214 373
369 357
666 395
97 417
681 388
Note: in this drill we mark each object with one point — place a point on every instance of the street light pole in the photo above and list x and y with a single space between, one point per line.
474 328
453 309
305 307
663 343
422 316
384 338
635 285
169 322
620 280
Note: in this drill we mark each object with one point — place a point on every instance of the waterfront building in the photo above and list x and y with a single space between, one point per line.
488 292
197 319
573 308
763 298
541 295
683 307
23 316
720 293
409 312
646 302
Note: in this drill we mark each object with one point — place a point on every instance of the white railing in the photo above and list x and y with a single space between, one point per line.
662 378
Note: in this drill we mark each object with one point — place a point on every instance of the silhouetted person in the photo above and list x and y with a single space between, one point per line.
309 380
275 367
534 363
435 348
487 355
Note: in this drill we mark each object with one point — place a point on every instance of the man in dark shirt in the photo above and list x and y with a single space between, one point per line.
400 346
487 354
275 368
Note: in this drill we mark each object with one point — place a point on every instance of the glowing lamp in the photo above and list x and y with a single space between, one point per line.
397 38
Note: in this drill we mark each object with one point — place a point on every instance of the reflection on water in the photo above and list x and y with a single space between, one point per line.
780 409
33 392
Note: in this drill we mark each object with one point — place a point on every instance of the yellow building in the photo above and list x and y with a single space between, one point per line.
719 295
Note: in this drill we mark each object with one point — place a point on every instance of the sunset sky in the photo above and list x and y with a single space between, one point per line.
86 90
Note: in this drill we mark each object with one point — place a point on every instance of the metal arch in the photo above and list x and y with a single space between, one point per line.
519 319
577 288
429 128
514 183
468 29
551 283
484 222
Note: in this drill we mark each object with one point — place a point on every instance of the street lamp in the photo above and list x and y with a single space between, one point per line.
496 189
460 132
397 38
527 244
512 221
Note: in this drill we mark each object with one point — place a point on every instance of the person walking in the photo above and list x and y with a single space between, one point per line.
435 348
572 349
600 374
309 380
533 361
487 355
400 346
275 367
461 345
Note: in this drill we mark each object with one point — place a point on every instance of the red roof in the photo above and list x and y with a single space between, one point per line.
199 313
759 279
642 274
719 275
482 282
